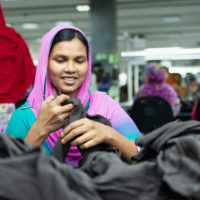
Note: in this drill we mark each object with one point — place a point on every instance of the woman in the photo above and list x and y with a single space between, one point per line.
155 85
65 64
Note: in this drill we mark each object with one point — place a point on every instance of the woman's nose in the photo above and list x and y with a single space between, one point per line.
69 67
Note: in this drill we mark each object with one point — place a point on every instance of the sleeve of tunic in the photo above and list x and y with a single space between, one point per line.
118 117
21 121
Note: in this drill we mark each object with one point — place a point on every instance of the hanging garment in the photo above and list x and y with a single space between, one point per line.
2 18
17 71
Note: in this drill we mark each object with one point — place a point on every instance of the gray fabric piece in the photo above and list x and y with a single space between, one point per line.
179 165
160 136
27 173
120 181
166 168
175 148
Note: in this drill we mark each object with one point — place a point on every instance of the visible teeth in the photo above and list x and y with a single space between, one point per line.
69 79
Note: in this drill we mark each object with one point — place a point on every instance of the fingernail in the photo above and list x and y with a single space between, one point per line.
61 135
62 141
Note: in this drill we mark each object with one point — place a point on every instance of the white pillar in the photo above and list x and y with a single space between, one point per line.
136 78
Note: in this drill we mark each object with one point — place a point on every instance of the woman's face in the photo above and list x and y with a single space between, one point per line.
68 65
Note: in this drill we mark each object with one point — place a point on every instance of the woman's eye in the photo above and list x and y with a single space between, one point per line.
80 61
59 61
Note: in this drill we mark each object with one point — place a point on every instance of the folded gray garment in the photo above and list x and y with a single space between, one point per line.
27 173
60 150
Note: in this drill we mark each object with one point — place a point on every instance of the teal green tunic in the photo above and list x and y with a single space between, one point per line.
19 128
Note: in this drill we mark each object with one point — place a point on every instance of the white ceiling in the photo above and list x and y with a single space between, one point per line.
134 17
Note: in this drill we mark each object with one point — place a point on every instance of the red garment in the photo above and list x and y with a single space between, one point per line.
2 19
17 71
194 110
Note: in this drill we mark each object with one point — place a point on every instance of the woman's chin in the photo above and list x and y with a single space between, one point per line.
69 93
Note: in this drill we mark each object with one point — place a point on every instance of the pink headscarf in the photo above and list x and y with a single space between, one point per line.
36 96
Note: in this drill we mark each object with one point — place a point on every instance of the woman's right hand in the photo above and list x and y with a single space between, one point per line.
52 116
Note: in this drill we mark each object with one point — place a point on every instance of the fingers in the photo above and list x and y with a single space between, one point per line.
49 99
63 117
73 130
67 108
60 99
81 133
88 144
73 126
82 139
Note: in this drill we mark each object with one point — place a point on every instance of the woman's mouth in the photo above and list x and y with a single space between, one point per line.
69 80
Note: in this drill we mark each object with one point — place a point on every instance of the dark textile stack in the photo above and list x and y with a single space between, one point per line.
175 149
167 168
28 174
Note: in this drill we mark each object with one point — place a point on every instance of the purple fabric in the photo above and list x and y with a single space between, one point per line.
6 111
155 86
155 74
36 96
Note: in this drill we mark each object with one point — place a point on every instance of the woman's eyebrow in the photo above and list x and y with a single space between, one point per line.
79 57
64 57
59 55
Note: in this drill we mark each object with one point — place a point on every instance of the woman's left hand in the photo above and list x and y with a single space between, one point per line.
86 133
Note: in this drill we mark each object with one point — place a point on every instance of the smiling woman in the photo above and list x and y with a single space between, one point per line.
68 66
64 65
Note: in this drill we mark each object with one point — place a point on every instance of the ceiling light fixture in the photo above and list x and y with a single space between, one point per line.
171 19
30 26
168 53
83 8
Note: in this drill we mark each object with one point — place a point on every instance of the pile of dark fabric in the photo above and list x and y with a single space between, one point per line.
175 151
167 168
28 174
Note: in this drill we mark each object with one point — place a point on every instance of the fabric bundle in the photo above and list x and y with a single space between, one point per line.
175 149
166 168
